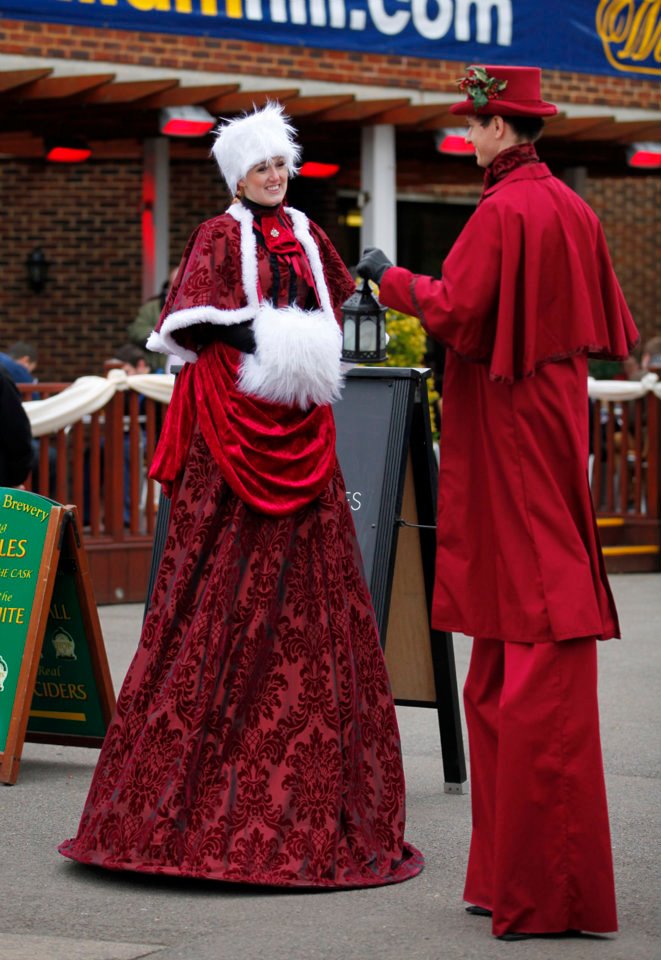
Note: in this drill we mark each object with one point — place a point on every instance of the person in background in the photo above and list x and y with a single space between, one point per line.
527 293
16 454
146 322
134 360
255 738
20 362
651 355
632 368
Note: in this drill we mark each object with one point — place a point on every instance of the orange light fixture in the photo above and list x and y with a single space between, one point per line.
320 171
644 156
186 121
452 142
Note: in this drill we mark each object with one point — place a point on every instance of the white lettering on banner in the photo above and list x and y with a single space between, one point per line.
358 19
318 13
338 14
431 19
483 18
432 28
387 23
298 12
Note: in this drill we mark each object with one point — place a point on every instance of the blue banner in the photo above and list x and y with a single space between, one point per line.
617 37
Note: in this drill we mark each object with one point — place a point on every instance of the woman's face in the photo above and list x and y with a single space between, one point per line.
266 182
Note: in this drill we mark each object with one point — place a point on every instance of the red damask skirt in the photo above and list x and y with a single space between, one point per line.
255 738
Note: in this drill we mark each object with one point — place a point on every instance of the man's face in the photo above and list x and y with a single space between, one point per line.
483 139
29 364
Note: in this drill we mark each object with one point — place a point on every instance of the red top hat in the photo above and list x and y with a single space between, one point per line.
505 91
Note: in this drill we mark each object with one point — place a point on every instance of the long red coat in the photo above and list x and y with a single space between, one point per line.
528 293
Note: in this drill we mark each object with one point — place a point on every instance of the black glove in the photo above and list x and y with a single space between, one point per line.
373 264
237 335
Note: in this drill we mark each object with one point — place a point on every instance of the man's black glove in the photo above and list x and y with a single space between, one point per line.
373 264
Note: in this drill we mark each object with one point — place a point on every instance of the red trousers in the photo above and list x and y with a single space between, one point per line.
540 855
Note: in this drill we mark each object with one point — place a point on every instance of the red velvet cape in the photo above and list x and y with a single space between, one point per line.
528 281
528 291
275 458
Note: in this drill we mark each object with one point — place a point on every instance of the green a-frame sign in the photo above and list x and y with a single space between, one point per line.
55 684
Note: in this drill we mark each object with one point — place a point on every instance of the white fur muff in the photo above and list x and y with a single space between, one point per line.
297 357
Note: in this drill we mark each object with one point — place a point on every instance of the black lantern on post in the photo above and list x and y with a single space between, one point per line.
37 269
364 327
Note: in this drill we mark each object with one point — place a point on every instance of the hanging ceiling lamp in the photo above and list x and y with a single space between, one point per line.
186 121
317 170
67 150
644 156
452 141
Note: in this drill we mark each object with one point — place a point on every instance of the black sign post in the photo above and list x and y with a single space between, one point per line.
385 449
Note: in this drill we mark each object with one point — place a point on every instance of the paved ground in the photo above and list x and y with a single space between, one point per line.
52 909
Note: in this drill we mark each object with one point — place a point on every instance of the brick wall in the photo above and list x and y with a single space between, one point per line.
196 194
87 221
629 211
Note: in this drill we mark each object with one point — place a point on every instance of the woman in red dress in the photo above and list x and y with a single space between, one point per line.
255 738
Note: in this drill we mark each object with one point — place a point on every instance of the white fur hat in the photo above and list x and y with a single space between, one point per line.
254 138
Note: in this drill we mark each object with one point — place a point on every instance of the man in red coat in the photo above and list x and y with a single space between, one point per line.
527 294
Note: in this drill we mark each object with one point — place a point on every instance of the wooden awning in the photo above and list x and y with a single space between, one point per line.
116 115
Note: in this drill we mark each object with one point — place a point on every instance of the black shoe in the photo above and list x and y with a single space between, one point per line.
476 911
511 937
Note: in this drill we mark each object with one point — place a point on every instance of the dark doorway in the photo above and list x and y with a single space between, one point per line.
426 232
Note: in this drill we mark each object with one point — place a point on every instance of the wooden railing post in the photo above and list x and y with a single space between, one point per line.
113 467
654 458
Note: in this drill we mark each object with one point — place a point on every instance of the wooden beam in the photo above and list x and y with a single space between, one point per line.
243 100
361 110
304 106
12 79
445 119
416 114
21 144
632 130
117 149
60 88
193 96
570 128
129 91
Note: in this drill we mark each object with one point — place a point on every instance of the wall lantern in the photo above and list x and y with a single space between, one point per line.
644 156
186 121
37 269
68 150
319 171
364 327
452 141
